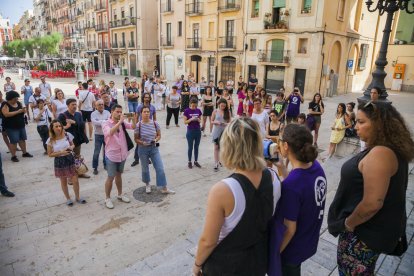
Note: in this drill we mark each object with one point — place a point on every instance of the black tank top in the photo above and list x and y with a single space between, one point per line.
16 121
244 251
382 232
274 132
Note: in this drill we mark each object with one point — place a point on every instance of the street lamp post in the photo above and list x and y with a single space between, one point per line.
378 76
79 72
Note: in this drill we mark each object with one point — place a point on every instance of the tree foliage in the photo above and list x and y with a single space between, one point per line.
47 45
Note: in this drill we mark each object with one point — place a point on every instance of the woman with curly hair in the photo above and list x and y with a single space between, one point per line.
368 212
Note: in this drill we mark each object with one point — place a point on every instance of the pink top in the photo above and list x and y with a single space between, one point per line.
115 145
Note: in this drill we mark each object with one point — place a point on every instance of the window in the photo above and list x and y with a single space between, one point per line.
123 39
114 14
132 42
122 12
210 29
169 34
303 46
180 28
306 6
341 10
255 8
252 44
131 11
362 59
252 70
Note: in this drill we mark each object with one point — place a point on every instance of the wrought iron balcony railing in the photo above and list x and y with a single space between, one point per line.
229 5
227 42
194 43
193 9
123 22
274 56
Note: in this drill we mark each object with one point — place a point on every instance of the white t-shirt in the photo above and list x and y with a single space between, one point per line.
43 119
33 98
263 120
87 98
44 88
61 144
60 107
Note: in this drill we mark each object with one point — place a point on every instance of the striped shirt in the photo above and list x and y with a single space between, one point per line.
147 131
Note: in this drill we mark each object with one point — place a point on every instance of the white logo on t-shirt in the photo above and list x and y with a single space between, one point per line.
320 193
295 100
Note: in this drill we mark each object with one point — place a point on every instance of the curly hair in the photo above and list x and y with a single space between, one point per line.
389 129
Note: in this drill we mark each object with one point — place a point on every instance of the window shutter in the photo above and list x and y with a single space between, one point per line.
279 3
307 4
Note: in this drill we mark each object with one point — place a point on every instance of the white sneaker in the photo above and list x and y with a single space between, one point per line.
123 199
165 190
109 204
148 189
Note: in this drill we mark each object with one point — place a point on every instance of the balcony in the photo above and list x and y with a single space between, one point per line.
131 44
194 9
91 44
90 25
167 7
167 42
229 5
80 12
278 21
194 43
122 44
100 6
101 27
274 56
103 45
123 22
227 42
88 5
114 45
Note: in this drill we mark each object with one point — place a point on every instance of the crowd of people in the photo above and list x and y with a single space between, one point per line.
264 218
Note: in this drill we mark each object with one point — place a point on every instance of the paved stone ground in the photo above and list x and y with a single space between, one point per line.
39 235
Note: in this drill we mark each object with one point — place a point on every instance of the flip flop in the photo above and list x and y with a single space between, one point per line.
81 201
69 202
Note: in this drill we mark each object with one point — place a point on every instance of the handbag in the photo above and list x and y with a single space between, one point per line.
80 165
130 144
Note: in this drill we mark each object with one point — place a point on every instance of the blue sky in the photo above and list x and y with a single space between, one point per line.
14 9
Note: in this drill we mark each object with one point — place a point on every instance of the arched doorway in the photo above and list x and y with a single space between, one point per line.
195 66
132 65
169 67
335 58
228 68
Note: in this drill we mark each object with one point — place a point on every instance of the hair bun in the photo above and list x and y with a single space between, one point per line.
308 153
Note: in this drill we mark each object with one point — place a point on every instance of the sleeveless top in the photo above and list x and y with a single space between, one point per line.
174 99
274 132
244 250
16 121
60 107
382 232
218 129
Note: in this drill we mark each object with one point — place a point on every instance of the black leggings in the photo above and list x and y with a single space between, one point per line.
170 112
44 134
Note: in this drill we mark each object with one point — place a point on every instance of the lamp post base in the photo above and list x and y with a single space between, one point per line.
79 74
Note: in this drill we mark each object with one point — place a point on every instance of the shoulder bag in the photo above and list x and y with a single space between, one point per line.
130 144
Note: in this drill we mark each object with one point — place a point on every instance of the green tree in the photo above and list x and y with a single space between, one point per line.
47 45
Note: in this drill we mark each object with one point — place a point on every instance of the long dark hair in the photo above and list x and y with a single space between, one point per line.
389 129
343 109
52 134
208 88
187 88
320 97
226 111
300 141
143 96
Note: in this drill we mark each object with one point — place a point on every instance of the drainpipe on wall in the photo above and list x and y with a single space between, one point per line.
160 69
323 59
136 35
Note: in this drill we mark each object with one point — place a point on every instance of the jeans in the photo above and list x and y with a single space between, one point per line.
99 143
132 106
136 152
145 153
3 187
193 140
170 112
44 134
114 167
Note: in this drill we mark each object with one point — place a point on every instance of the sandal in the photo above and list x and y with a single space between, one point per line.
81 201
69 202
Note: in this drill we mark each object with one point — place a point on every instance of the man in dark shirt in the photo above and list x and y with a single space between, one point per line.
107 101
73 123
252 82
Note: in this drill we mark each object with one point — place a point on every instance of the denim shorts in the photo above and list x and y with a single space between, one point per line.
16 135
114 167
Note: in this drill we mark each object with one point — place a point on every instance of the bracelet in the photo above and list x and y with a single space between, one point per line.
197 264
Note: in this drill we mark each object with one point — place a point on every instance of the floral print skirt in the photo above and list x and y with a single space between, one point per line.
354 257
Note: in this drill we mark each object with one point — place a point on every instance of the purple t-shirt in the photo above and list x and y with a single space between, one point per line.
293 109
190 113
303 200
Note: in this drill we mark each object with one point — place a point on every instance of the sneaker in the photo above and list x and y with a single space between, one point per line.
14 159
190 165
136 162
27 155
216 168
177 125
165 190
69 202
81 200
196 164
148 189
109 204
95 171
123 199
7 193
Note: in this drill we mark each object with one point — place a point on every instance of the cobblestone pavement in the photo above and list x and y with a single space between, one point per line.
39 235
